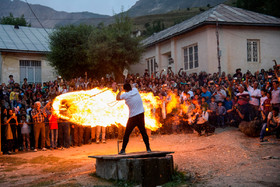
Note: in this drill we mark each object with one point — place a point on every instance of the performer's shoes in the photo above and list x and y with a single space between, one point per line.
149 150
122 152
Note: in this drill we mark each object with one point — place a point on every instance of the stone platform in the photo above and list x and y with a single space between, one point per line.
149 169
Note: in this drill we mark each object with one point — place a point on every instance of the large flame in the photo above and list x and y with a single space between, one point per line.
98 107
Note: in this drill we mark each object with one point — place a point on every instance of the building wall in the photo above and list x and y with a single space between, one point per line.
233 49
11 66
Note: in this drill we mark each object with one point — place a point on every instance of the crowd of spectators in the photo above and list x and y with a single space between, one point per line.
212 100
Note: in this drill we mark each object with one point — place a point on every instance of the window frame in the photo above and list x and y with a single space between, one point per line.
250 54
190 57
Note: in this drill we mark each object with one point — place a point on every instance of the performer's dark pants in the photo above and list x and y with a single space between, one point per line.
136 121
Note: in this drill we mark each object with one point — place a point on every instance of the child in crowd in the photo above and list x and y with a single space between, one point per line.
54 129
212 111
25 133
221 112
228 106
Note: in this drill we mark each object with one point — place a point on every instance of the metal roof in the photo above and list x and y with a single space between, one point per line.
24 39
222 13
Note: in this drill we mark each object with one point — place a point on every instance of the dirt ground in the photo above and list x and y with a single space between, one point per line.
227 158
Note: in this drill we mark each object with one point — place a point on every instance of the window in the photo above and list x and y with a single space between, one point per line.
151 65
191 57
253 50
30 69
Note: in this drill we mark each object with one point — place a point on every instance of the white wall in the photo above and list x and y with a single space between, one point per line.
10 66
233 47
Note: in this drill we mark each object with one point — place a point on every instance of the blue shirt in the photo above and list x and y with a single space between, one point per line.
206 94
228 104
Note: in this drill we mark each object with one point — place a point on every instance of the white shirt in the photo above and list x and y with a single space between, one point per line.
133 101
204 117
275 96
219 95
262 101
256 93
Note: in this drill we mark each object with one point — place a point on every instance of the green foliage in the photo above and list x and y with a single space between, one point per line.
270 7
157 26
112 48
69 45
11 20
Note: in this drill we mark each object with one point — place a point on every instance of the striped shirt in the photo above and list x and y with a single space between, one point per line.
40 118
133 101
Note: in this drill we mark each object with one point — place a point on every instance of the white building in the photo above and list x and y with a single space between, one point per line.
244 39
23 54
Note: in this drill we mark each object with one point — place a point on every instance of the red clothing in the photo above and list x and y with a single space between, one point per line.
267 106
53 122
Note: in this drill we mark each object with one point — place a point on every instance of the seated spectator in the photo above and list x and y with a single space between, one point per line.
272 124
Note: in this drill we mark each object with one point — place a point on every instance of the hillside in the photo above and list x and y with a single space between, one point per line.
148 7
47 16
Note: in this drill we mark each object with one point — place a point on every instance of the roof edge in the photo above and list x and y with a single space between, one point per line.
211 23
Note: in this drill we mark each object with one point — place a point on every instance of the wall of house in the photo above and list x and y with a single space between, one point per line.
10 66
233 49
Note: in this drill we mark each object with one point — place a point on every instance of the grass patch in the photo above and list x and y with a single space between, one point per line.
179 178
44 160
15 161
117 183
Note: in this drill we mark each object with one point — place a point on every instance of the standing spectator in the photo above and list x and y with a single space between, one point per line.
25 133
53 129
255 95
205 93
221 112
243 102
100 129
263 98
219 94
11 79
275 94
212 111
38 116
12 124
47 126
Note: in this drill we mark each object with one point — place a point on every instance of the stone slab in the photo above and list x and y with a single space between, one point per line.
133 155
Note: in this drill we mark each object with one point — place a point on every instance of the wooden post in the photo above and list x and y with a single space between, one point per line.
218 47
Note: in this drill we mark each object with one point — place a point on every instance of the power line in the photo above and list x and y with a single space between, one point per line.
36 17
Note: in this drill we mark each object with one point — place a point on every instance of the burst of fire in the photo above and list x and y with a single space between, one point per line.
98 107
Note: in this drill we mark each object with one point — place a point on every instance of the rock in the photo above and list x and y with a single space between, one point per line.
252 128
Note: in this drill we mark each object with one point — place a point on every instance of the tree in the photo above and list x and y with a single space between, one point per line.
112 48
270 7
11 20
69 45
157 26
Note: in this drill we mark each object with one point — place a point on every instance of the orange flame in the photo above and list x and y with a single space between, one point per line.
98 107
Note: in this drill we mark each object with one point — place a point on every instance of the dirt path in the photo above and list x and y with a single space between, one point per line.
227 158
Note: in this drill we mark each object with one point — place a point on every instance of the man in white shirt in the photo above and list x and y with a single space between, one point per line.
275 94
136 115
255 95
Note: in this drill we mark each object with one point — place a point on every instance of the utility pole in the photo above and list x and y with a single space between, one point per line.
218 47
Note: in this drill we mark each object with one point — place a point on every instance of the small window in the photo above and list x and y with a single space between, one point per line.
30 69
191 57
253 53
